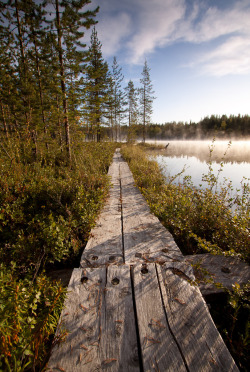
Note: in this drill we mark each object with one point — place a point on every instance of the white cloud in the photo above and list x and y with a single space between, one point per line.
112 31
156 22
139 27
218 22
232 57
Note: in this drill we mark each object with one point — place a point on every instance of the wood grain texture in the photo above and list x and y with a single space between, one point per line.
118 341
145 239
105 243
158 347
219 269
105 305
81 319
190 321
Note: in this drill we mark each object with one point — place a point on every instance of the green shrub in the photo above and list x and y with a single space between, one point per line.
46 211
29 313
200 220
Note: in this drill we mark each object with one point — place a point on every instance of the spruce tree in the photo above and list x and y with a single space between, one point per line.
96 87
132 108
41 69
69 22
118 96
110 105
146 99
20 90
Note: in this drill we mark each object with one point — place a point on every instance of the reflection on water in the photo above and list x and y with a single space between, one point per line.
194 155
196 168
238 151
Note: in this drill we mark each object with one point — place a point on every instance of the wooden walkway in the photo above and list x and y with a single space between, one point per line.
132 305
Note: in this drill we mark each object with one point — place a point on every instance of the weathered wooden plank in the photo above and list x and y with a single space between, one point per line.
158 347
190 321
105 243
220 269
99 318
114 202
81 319
119 342
145 239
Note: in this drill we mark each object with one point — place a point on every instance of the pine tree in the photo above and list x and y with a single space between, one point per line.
96 87
69 20
118 96
41 69
110 105
20 90
132 108
146 98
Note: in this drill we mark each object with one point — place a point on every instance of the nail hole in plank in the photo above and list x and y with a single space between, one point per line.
115 281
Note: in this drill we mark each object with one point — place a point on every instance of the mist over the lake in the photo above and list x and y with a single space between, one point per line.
230 161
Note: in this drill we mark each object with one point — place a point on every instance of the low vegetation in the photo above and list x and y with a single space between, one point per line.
47 210
201 221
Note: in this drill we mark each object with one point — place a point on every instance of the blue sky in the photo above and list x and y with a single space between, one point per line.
198 52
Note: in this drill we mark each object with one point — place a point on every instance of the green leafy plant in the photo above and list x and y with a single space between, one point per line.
47 211
29 313
201 221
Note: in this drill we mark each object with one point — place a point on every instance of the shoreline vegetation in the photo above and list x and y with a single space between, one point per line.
47 211
201 221
56 98
48 208
222 127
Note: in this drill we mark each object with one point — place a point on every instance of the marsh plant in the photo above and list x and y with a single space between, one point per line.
210 219
48 208
213 219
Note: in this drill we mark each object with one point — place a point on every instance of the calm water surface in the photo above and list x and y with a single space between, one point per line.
193 156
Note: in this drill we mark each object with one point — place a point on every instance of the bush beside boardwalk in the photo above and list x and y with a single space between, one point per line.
47 211
201 221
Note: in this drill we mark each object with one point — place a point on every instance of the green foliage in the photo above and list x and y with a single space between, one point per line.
222 127
235 323
47 211
200 220
96 87
146 98
29 313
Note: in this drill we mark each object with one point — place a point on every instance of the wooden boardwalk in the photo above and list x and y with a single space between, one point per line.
132 305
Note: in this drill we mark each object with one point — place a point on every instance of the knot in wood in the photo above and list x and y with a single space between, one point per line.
115 281
84 279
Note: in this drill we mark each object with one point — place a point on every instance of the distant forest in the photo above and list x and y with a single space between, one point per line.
214 126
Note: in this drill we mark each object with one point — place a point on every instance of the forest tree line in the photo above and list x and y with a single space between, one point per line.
214 126
53 88
55 91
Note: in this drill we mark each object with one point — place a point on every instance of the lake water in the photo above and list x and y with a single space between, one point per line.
193 156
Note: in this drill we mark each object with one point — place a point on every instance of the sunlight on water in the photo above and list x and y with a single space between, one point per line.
196 168
237 151
194 155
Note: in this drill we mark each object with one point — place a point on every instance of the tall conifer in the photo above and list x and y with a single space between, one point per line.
118 96
68 22
146 98
96 87
132 108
